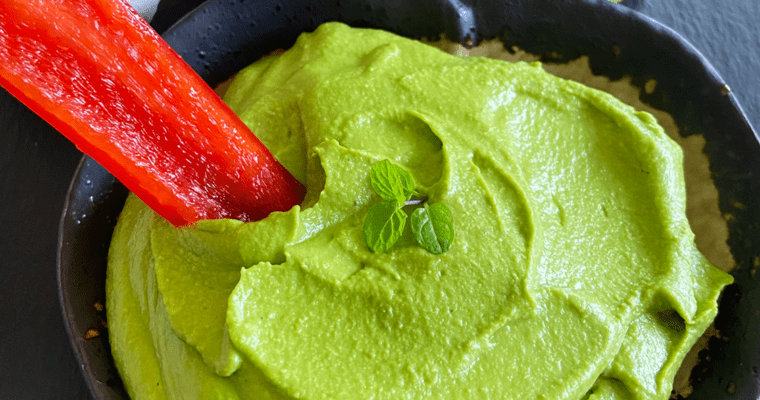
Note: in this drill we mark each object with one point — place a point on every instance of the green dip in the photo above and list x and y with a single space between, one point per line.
573 273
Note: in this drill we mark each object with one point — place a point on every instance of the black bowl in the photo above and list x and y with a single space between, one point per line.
221 37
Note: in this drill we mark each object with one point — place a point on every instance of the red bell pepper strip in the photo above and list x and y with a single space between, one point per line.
101 76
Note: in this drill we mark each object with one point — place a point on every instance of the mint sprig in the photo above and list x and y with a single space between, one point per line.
432 225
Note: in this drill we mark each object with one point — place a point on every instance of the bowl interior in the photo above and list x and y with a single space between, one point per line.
221 37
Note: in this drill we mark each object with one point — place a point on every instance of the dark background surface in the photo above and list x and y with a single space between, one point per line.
36 165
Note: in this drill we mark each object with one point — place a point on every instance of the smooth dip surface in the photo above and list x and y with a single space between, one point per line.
573 273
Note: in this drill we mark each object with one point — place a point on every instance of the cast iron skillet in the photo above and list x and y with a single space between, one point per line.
221 37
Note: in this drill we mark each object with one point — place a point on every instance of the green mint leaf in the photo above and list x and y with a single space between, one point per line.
392 182
433 227
383 226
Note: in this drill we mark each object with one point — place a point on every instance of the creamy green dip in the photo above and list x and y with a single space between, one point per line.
573 273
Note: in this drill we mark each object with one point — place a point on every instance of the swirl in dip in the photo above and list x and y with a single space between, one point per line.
573 273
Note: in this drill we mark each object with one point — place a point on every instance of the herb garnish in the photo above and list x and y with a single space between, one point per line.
432 225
